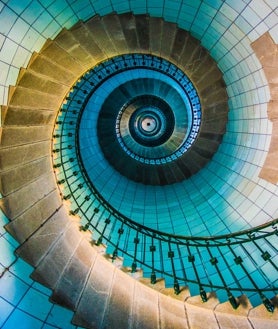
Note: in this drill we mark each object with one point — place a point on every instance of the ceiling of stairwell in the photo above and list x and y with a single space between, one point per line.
227 195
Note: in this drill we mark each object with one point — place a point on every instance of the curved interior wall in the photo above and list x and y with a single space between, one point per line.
227 31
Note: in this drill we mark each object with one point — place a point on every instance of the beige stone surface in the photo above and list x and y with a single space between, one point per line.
229 318
200 314
17 177
263 319
53 263
19 155
119 308
172 313
70 286
145 308
43 66
44 237
32 80
26 117
23 226
100 36
112 25
267 52
77 46
28 98
12 136
128 24
94 300
23 199
60 56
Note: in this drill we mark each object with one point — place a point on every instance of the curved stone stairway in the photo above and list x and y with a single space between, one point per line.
64 258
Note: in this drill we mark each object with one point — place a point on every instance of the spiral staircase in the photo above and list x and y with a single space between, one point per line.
87 252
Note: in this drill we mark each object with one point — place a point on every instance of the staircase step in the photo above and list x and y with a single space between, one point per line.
43 66
29 98
128 24
261 318
145 308
16 116
13 136
206 145
23 226
95 297
214 93
143 33
28 196
81 36
16 178
114 29
199 313
212 75
167 39
155 24
70 286
172 313
179 43
56 253
29 79
44 238
60 56
13 157
190 49
205 62
101 38
119 309
216 112
228 317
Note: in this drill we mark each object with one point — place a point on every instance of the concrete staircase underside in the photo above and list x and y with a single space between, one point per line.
99 293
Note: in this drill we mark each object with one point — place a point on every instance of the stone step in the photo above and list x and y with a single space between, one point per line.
23 226
156 26
61 57
128 24
118 313
228 317
261 318
203 66
145 312
28 196
18 136
69 288
143 33
113 28
93 303
172 312
44 237
80 39
18 155
16 116
212 75
179 43
32 80
45 67
190 50
52 264
28 98
199 313
101 37
169 31
16 178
